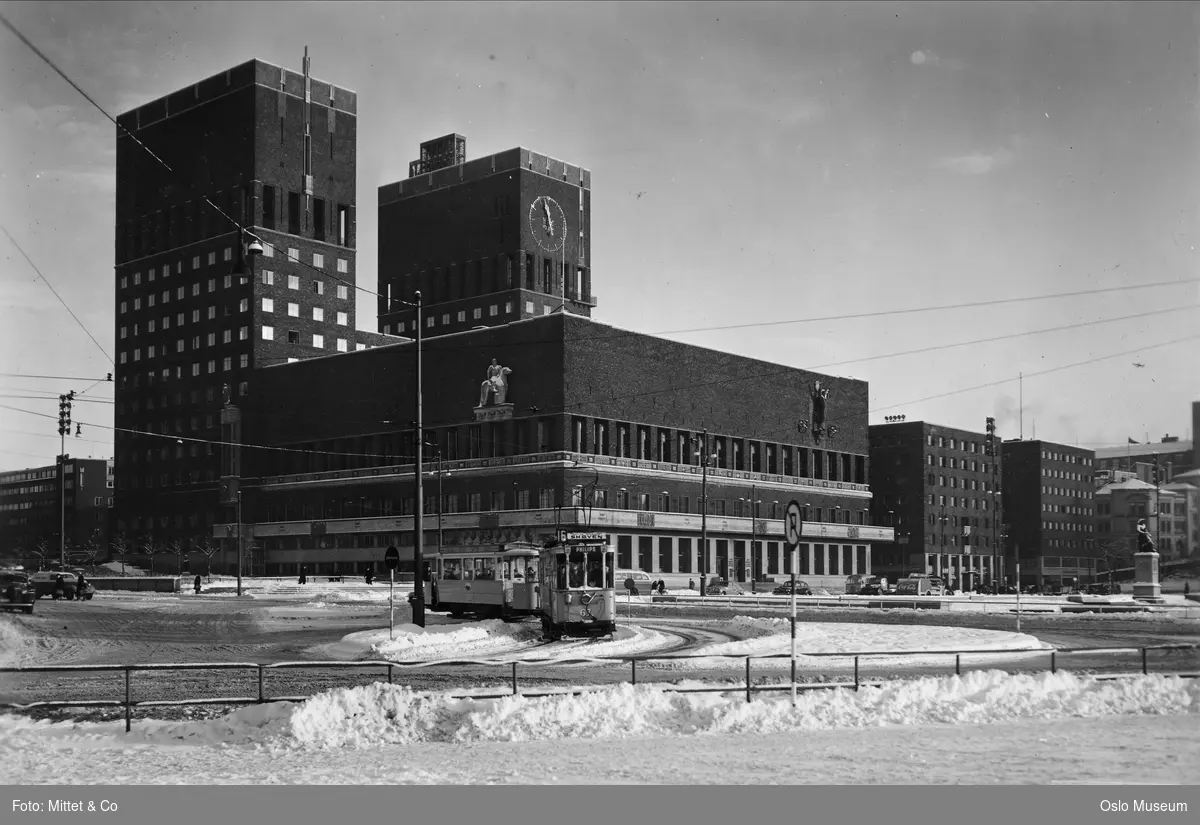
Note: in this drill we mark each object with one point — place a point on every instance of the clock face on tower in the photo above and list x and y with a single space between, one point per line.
547 223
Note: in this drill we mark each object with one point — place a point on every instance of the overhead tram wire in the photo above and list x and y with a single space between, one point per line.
243 230
46 280
962 390
938 308
282 416
240 228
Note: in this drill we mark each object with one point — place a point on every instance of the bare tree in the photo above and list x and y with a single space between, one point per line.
151 548
209 548
120 546
176 546
91 552
42 551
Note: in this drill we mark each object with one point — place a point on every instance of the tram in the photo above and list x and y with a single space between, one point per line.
567 583
488 584
577 593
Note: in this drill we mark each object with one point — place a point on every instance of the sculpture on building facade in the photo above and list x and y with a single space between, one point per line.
496 382
815 423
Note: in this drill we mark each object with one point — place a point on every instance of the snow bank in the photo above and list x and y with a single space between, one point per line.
382 714
12 641
413 643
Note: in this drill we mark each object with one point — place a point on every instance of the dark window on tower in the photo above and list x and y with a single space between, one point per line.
547 275
319 219
293 336
294 213
529 275
268 217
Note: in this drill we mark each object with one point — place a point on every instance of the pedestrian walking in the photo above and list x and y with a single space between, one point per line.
303 575
196 584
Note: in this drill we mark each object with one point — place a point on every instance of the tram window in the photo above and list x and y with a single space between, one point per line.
507 570
595 573
450 570
578 578
531 570
561 566
468 569
485 569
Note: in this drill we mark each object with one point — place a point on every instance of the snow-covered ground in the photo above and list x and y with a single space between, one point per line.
978 728
496 640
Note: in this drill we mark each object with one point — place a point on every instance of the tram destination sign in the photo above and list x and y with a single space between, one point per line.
565 535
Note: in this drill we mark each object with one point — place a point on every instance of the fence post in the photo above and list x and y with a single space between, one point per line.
747 679
958 664
127 720
514 678
1144 669
1053 666
389 673
260 684
633 666
856 674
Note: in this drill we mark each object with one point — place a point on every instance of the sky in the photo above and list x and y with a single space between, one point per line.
753 165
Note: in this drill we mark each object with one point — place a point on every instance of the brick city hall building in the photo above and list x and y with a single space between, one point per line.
297 431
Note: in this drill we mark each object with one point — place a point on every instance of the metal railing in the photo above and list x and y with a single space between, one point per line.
261 668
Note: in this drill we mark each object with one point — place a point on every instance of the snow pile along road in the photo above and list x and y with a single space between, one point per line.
772 636
382 714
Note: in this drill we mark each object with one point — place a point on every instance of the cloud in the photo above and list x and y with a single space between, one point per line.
924 58
977 163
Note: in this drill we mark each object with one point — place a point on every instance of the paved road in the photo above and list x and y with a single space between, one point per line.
156 629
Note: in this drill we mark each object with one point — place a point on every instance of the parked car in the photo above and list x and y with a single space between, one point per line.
874 586
785 589
16 591
45 583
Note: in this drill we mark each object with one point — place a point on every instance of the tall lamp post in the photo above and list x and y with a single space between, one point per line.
239 542
704 456
419 517
243 268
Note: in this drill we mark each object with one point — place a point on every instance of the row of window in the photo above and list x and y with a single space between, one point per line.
28 475
293 311
972 484
954 443
1066 509
1049 472
955 464
267 278
318 341
952 540
483 276
958 501
198 342
30 489
448 319
547 498
181 318
1067 492
1050 455
192 221
1068 527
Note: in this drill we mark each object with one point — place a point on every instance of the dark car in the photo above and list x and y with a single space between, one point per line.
785 589
16 591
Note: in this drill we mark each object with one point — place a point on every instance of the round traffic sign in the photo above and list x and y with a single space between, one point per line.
392 558
793 523
630 584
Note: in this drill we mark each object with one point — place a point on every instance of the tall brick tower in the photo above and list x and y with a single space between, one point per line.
486 241
275 150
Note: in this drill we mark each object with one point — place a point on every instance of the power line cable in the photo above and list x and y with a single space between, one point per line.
55 291
242 229
939 308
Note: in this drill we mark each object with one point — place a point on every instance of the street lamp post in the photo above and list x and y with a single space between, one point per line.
419 518
239 542
704 516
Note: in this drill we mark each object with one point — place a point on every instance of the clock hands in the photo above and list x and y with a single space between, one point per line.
549 220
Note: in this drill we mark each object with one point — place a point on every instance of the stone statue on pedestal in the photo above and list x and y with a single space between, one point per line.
496 382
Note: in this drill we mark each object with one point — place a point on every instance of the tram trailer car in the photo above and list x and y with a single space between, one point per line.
578 597
500 583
